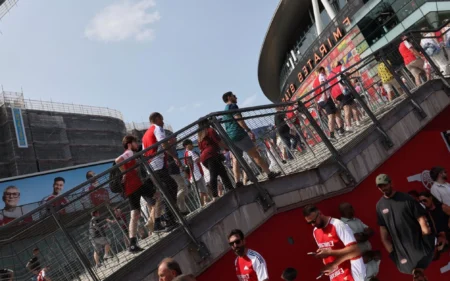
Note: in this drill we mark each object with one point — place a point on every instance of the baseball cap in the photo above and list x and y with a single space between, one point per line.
382 179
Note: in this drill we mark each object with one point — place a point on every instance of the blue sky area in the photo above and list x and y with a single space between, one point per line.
137 56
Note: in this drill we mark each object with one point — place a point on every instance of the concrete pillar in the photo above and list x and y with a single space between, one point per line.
317 18
330 11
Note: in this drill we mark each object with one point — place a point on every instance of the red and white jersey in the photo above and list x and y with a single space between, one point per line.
337 235
323 93
41 275
59 203
251 267
153 135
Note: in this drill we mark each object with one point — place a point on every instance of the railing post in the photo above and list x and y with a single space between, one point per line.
387 142
337 157
201 247
80 255
419 48
191 164
264 198
118 223
417 108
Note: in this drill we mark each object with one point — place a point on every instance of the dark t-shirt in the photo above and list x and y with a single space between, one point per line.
399 215
440 219
34 263
96 228
5 274
234 130
282 127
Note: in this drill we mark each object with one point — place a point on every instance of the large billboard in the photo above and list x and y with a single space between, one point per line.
20 195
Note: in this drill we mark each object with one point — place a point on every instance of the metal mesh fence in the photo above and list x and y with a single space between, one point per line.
153 192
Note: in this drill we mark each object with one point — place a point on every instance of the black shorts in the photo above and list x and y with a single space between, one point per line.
145 191
345 99
329 106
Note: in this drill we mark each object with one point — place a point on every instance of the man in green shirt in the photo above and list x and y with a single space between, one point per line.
242 137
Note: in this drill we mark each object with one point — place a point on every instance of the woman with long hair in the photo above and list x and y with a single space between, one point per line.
209 144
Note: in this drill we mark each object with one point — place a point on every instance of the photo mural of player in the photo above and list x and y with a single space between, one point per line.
21 195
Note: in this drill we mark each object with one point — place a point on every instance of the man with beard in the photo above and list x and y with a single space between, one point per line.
404 229
337 247
134 189
12 210
250 265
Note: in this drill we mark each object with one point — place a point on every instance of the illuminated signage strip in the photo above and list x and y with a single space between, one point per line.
19 127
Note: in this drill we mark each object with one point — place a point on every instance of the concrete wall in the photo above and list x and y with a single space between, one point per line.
239 210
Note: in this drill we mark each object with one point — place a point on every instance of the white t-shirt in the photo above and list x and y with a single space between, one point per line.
195 157
441 192
426 41
326 94
357 226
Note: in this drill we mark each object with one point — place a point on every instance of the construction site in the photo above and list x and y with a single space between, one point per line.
37 136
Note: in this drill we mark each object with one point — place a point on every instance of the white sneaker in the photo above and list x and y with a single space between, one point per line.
348 129
358 123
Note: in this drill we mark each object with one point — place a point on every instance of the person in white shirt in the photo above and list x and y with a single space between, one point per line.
440 188
432 48
192 160
362 234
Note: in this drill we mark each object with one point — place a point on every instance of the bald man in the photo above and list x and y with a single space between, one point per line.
185 277
168 269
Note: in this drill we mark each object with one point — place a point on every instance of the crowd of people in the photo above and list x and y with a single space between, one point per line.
343 243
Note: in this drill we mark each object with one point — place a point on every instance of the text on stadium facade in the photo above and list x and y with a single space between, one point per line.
312 62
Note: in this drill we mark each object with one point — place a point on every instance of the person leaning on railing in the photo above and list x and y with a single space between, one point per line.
209 144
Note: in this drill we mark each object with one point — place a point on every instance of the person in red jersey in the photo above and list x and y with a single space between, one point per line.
158 163
342 95
58 186
337 247
412 59
134 189
325 101
99 196
250 265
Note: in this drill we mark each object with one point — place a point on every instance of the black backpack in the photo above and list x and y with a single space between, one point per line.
115 177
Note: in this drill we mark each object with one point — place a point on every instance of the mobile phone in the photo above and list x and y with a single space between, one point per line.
311 253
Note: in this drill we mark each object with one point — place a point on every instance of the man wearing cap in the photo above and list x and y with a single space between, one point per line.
440 188
404 228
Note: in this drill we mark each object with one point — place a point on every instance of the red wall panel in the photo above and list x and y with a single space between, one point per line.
422 152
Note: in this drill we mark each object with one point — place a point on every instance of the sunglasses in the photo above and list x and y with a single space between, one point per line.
314 220
237 242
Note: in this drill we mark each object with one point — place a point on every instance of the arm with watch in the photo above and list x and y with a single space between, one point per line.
244 126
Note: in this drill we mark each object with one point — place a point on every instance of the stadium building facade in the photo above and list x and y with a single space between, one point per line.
37 136
306 34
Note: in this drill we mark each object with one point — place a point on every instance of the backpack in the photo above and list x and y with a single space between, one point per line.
115 183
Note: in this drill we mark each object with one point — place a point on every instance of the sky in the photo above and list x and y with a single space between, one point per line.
136 56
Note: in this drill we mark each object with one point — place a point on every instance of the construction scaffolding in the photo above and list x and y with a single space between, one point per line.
37 136
5 6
